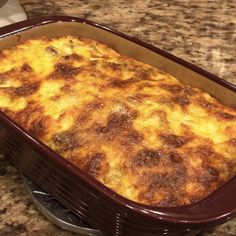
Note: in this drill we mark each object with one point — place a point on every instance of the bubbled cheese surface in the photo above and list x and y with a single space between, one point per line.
133 127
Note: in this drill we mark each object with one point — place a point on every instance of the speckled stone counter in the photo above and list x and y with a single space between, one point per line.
202 32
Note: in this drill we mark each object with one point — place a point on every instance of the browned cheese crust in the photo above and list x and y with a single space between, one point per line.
133 127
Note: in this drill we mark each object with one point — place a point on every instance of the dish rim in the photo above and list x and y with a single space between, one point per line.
194 214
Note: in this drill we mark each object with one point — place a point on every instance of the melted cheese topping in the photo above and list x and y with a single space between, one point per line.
133 127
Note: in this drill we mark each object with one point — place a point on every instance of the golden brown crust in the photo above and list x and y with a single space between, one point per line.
133 127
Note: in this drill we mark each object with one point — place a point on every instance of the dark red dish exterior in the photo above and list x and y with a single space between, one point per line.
95 203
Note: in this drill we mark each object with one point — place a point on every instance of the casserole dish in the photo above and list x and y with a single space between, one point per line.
92 201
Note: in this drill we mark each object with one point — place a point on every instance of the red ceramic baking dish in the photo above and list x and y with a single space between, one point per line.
92 201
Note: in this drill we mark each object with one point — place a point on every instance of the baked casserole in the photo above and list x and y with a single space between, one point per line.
134 128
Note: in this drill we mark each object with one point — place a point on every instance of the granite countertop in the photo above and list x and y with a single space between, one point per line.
202 32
